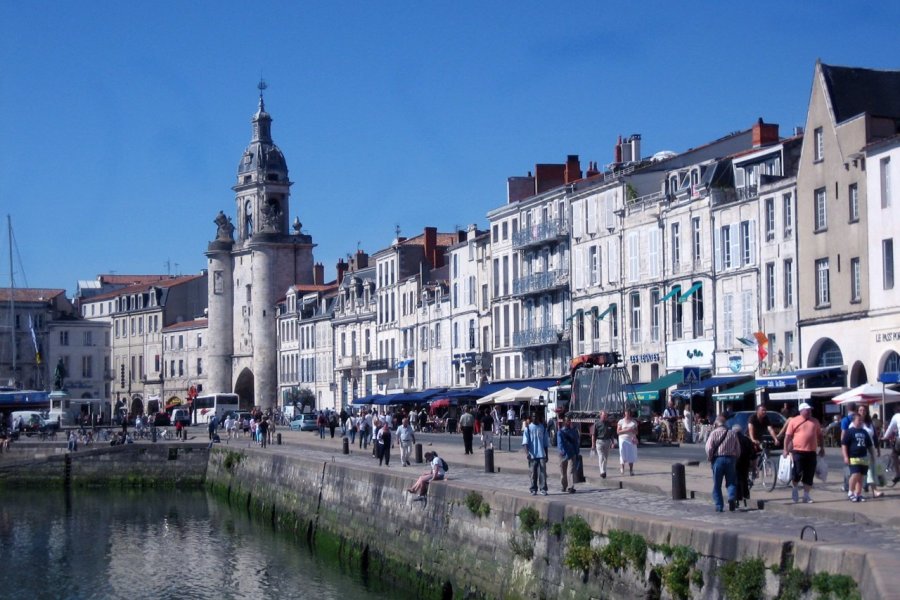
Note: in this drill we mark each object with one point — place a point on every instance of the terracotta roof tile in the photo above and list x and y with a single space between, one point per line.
30 294
195 324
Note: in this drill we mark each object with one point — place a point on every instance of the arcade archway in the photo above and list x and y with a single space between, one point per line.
243 387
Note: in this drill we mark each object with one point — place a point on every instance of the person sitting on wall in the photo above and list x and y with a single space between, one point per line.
438 469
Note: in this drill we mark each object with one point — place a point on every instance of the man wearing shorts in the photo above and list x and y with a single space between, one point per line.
804 440
856 445
893 435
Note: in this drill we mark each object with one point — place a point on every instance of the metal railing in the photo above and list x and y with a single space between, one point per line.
380 364
539 282
539 336
537 233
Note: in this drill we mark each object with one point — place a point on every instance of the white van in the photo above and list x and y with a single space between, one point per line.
32 421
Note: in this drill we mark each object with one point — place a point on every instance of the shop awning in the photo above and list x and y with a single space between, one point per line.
610 308
736 394
404 363
786 379
675 289
416 397
370 399
490 388
807 393
577 313
699 389
683 297
649 392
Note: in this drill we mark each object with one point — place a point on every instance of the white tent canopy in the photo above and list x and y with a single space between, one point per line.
492 398
805 393
868 393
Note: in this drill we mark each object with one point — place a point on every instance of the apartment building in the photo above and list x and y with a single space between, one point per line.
353 328
849 109
183 363
470 358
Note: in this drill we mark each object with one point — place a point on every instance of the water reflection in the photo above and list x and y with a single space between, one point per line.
155 544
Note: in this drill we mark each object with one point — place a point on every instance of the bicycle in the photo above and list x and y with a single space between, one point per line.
766 471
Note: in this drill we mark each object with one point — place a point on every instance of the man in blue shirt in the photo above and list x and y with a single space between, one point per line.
856 446
535 440
568 441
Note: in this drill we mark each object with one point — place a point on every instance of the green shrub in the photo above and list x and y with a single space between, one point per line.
744 580
579 558
578 531
232 460
676 575
794 583
840 587
530 520
477 505
624 548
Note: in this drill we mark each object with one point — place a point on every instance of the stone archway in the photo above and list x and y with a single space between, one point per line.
137 405
243 387
825 353
857 374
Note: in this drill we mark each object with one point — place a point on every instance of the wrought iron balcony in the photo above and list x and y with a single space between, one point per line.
747 193
539 233
540 336
540 282
380 364
350 362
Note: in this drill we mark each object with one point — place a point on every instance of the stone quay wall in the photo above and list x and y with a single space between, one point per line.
443 549
157 465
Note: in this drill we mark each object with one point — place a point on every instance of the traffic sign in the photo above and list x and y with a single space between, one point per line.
690 375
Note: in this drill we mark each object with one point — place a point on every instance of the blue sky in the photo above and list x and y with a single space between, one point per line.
123 122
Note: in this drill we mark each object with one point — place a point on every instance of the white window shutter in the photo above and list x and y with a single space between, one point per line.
577 221
613 255
579 272
717 237
591 216
752 242
735 245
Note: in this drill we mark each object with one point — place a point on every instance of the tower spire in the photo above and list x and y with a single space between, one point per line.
262 86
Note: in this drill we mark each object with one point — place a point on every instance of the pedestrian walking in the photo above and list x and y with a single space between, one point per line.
627 429
263 429
868 424
487 430
536 440
856 447
568 442
892 434
467 426
406 437
723 448
602 435
384 445
803 438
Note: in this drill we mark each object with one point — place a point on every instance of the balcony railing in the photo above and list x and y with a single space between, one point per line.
539 233
380 364
350 362
539 282
747 193
540 336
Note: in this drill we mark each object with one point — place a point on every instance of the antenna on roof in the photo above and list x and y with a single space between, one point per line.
397 230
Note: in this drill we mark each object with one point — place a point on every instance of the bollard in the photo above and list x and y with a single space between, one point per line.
278 438
346 445
488 460
419 458
153 434
679 486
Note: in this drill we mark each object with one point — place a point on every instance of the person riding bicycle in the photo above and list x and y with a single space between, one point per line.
758 425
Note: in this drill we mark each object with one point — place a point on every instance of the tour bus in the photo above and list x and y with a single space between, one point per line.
205 407
75 411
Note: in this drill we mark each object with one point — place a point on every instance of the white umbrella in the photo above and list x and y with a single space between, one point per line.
867 394
526 394
492 398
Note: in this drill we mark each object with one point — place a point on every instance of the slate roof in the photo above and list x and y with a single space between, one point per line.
30 294
853 91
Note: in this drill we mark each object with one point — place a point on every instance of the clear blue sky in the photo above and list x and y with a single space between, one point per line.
122 123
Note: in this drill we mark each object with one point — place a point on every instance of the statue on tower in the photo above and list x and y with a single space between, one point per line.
225 232
271 214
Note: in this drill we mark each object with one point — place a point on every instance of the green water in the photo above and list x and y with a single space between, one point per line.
157 544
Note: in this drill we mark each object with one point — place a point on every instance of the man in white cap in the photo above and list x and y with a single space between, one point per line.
804 439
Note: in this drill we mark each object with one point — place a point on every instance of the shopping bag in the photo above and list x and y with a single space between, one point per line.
785 469
821 469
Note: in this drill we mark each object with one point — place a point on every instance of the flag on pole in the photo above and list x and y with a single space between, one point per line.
762 341
746 341
34 340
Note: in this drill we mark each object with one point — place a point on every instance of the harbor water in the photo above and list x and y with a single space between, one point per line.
157 544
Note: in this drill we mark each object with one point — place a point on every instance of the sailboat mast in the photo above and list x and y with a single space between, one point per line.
12 300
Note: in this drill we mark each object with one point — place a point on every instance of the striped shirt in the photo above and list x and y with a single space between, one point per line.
729 446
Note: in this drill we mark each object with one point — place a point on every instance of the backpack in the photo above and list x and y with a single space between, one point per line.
444 464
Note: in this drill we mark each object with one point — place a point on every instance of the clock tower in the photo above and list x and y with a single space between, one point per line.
251 265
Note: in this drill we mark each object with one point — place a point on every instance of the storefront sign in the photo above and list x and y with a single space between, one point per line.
887 337
652 357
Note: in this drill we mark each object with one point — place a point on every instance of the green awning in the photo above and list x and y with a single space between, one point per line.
646 396
658 385
736 393
683 297
577 313
675 289
610 308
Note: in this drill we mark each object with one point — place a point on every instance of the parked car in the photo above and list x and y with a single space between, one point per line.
181 415
740 418
304 422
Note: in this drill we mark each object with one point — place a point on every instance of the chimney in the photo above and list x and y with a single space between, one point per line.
318 274
341 270
573 169
617 155
360 261
429 246
764 133
592 169
519 188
